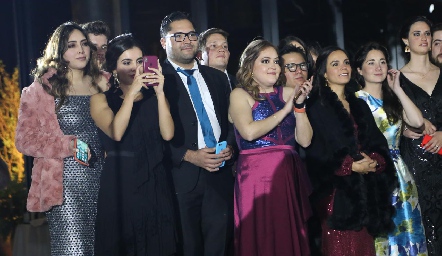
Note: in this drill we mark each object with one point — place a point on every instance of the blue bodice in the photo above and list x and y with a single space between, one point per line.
283 134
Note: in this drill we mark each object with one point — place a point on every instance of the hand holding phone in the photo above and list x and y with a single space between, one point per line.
82 152
427 139
219 147
150 62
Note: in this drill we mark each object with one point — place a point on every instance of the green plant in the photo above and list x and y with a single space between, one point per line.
12 207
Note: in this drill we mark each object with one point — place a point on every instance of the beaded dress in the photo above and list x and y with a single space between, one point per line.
271 188
408 237
71 225
426 167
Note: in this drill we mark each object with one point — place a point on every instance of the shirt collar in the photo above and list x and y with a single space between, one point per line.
175 66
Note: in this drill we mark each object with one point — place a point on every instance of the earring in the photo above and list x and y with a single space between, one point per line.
326 82
116 81
407 48
252 74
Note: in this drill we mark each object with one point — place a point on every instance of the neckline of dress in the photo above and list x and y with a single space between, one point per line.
269 93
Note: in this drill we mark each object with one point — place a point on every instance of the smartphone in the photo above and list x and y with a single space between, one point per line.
219 147
81 155
150 62
427 139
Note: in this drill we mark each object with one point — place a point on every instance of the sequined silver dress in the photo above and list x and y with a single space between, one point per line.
71 224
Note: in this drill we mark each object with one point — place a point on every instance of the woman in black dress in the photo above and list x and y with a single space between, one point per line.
421 81
135 214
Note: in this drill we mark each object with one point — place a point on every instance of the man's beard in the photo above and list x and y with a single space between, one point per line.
436 60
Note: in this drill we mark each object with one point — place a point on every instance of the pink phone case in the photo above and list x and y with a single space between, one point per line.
150 62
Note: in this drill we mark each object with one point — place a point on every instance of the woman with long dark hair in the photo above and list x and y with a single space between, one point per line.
135 214
391 107
54 111
422 82
348 162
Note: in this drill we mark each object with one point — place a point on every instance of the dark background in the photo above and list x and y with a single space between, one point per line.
26 24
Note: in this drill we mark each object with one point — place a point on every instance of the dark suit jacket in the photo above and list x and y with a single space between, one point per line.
185 174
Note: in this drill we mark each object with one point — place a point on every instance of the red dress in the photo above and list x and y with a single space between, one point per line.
271 189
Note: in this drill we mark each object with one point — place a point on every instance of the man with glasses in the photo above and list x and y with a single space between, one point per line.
198 97
214 50
295 65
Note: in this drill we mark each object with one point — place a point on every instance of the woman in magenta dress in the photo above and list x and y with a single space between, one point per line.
272 187
348 162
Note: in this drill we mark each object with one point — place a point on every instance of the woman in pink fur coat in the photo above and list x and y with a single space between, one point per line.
54 112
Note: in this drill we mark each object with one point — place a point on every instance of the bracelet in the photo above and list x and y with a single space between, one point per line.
299 110
299 105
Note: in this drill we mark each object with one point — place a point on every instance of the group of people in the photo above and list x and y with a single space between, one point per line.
304 141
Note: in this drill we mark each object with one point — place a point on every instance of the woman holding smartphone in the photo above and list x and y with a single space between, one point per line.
272 188
54 112
135 214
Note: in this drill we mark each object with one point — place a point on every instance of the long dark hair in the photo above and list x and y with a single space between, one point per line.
53 58
246 62
392 106
405 30
115 48
320 83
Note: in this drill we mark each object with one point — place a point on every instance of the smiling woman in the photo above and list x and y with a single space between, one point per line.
272 187
348 162
391 107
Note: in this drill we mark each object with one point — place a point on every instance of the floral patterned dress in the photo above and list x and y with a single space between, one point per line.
408 238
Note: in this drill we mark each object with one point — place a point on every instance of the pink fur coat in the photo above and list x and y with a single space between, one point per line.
38 134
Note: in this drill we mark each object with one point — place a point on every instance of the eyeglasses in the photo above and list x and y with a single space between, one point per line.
179 37
292 67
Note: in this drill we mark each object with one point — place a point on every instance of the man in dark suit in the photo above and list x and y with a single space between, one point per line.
214 51
204 190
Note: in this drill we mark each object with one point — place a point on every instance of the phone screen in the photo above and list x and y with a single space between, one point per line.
219 147
82 152
150 62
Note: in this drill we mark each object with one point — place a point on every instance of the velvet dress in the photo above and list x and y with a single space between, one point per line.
408 237
271 205
426 167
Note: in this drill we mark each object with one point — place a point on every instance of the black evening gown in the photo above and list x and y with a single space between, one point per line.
135 214
426 167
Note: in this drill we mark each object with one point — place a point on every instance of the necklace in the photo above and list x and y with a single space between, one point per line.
419 74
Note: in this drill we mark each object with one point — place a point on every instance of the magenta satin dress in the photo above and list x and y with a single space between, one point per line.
271 189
